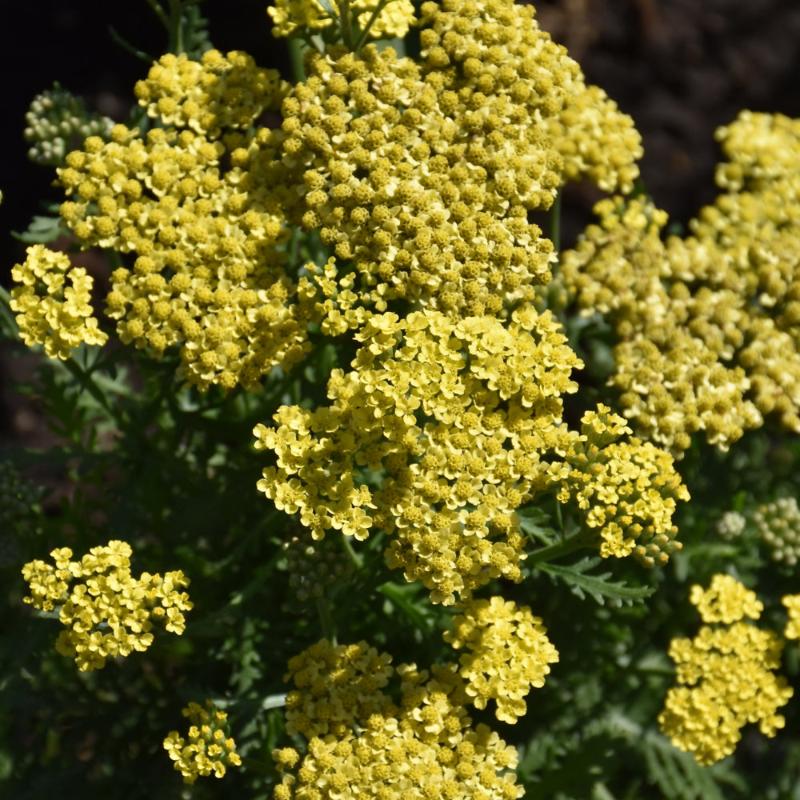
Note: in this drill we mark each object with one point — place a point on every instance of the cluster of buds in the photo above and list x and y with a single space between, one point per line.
314 567
778 526
57 122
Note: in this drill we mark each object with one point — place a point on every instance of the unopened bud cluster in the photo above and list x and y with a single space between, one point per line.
57 122
778 526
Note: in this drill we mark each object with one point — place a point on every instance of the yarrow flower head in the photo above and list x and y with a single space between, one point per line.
218 91
107 612
336 685
792 603
708 325
626 489
506 652
726 675
389 178
206 230
428 393
419 746
726 600
386 20
52 303
207 749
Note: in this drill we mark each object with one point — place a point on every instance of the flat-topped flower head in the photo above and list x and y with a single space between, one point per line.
207 749
51 300
421 746
625 488
726 675
506 653
381 19
461 415
107 612
725 600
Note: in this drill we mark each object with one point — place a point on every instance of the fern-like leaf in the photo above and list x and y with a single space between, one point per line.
600 587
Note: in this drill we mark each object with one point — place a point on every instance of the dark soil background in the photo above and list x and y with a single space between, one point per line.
680 68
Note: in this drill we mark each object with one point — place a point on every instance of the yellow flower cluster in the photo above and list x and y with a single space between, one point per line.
207 749
506 652
52 303
419 748
792 603
726 600
392 18
726 675
217 92
554 124
459 414
626 489
336 685
668 366
206 229
107 612
778 525
708 325
390 179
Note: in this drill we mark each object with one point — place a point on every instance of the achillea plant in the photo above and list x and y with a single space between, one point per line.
421 575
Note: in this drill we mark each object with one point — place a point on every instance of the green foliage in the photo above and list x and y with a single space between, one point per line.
600 587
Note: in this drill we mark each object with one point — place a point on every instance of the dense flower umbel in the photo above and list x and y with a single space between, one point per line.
535 121
336 686
506 652
107 611
51 300
669 371
460 414
207 749
209 274
627 489
726 600
391 177
215 93
303 17
420 748
725 674
708 325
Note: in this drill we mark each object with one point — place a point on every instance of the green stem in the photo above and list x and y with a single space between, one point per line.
354 557
345 23
326 620
555 223
84 378
128 47
566 546
159 12
370 22
175 27
7 318
297 49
